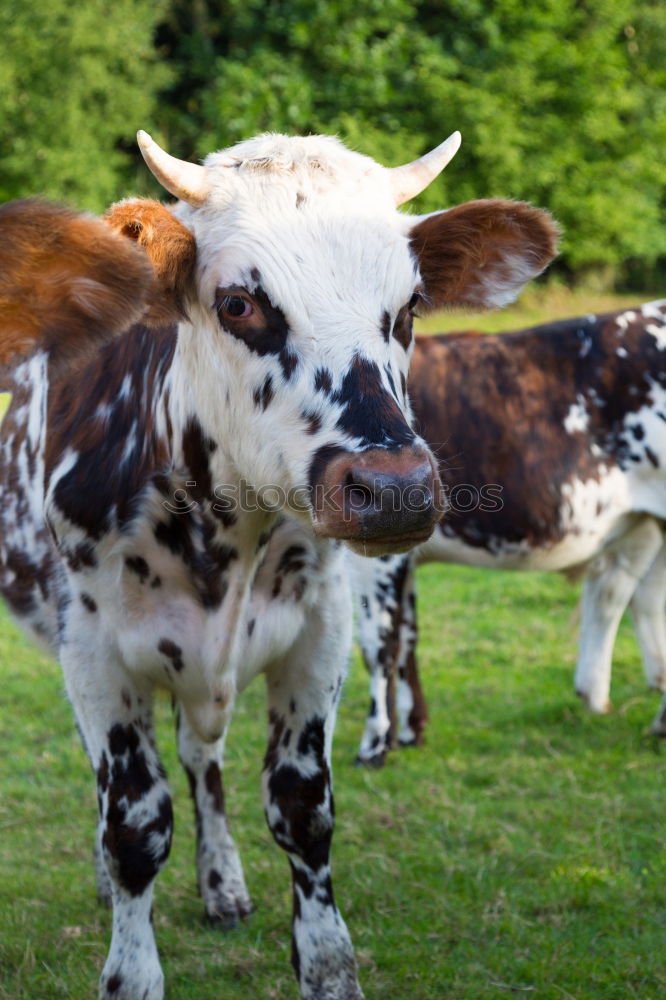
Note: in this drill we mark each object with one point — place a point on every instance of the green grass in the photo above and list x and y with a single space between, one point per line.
539 304
520 852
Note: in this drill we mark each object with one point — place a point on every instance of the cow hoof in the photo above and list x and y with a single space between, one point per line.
598 707
411 741
658 727
375 761
229 919
144 981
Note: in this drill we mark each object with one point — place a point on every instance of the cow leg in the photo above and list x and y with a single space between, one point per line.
659 725
302 695
609 585
648 610
411 709
380 587
219 870
134 836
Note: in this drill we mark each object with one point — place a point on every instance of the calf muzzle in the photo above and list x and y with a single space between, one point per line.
379 500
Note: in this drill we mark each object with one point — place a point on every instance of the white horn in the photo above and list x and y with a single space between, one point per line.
187 181
410 180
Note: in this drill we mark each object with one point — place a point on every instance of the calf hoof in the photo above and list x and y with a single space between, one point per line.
658 727
148 985
599 706
411 741
228 919
222 887
374 760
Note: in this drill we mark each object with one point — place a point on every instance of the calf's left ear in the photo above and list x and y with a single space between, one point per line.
170 247
480 254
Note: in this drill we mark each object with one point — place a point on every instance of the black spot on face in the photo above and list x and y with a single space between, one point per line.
264 393
313 420
323 381
652 458
288 362
88 603
386 327
369 411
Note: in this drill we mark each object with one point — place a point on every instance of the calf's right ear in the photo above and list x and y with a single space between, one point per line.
481 253
67 283
170 247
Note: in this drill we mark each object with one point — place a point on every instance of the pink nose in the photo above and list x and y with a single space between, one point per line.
379 500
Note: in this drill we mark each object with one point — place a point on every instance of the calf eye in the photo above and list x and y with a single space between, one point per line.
234 306
414 303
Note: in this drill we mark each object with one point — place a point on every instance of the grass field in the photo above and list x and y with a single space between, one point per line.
539 304
521 852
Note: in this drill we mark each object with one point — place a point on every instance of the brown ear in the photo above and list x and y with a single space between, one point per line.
480 254
66 281
170 247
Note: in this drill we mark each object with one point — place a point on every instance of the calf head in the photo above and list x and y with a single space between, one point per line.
299 328
66 281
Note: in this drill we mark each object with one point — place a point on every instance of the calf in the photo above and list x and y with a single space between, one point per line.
173 506
552 450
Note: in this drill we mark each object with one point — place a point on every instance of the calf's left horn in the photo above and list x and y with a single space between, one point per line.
412 178
187 181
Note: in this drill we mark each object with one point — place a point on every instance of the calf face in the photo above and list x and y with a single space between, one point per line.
298 335
66 281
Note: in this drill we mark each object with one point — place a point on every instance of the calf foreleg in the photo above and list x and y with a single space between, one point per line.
303 693
135 816
380 586
648 610
220 873
610 583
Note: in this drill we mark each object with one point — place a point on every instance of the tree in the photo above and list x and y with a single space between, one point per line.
562 103
76 81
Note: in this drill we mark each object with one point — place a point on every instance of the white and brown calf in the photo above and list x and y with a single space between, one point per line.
552 451
173 504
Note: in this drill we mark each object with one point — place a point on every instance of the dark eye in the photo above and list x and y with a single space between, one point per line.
234 306
414 303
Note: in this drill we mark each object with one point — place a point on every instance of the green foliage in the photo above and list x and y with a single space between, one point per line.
562 103
76 81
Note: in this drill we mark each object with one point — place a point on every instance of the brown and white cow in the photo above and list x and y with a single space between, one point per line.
172 505
552 451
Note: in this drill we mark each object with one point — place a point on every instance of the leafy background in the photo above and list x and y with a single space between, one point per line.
562 103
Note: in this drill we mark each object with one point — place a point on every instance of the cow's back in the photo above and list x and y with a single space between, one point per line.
524 423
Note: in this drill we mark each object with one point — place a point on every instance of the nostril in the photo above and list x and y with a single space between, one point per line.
358 496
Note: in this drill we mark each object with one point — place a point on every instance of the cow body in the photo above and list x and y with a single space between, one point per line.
174 505
552 448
